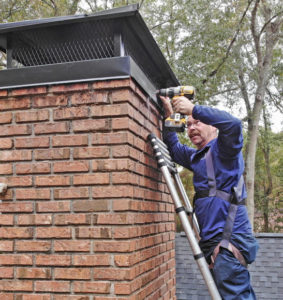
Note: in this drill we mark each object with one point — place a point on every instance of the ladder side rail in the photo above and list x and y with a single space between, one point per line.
180 210
198 255
187 204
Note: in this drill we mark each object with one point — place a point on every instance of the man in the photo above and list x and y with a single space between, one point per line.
217 164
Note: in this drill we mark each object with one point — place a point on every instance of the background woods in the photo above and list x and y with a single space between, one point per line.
231 51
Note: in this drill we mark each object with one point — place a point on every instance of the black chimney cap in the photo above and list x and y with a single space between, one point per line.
109 44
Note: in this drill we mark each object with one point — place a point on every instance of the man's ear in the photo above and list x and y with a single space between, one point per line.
214 130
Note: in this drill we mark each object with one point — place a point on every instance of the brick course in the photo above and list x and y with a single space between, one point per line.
87 215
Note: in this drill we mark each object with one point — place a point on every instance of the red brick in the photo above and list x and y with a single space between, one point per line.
52 180
34 219
6 143
33 273
126 232
94 152
123 218
73 219
69 140
50 100
30 168
71 166
91 179
6 296
121 151
113 274
112 110
72 246
126 124
68 87
6 220
72 273
6 272
16 207
112 138
91 125
71 193
124 178
114 246
33 246
93 233
29 91
32 116
89 97
32 194
126 288
15 259
19 181
113 165
92 287
8 196
69 297
110 84
37 142
5 246
53 233
5 118
16 233
33 297
121 95
52 286
70 113
53 260
13 103
91 260
3 93
110 192
126 260
91 206
126 205
53 206
48 128
47 154
16 285
11 130
15 155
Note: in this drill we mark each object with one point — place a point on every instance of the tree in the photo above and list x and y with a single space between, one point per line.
268 178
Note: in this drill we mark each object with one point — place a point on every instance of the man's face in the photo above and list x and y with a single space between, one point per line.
199 133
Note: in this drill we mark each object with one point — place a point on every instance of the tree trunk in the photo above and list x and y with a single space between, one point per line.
250 158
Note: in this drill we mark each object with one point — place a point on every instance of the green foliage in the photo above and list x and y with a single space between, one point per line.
269 202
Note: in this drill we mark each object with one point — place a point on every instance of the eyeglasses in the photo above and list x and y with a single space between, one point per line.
194 124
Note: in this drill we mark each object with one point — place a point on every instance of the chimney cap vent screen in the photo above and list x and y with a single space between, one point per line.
67 43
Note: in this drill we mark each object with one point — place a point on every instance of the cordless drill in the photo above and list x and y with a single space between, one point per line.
177 122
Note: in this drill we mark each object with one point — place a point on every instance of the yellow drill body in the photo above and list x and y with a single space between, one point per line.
177 122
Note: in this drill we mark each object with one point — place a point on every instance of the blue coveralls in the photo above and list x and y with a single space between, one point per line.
231 277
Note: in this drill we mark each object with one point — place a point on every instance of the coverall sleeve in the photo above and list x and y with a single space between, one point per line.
180 153
230 138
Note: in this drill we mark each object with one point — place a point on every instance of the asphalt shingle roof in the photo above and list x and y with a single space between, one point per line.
266 272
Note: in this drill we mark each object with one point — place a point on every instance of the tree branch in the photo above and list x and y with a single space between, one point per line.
254 34
211 74
269 21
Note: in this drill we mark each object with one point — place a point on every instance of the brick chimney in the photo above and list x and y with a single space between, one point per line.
86 214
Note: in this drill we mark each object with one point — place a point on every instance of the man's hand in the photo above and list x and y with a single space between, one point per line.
182 105
168 110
